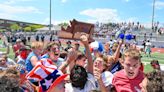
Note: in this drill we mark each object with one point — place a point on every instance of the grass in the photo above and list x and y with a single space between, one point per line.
11 54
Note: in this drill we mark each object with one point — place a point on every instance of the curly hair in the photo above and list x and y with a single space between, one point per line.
78 76
9 81
155 81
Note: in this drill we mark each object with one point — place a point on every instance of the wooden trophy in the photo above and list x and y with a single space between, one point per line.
75 30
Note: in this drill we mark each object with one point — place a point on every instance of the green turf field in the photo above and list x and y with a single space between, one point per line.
154 56
147 68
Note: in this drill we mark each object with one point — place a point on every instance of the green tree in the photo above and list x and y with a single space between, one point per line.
27 29
63 24
34 27
15 27
2 30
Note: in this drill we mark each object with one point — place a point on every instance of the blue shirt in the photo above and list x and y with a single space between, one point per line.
116 67
28 64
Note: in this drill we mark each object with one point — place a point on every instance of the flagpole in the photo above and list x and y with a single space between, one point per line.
50 17
153 15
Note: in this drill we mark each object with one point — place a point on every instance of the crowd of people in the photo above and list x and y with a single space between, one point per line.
57 66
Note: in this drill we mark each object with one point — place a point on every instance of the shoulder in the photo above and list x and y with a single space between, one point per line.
140 75
90 76
119 75
91 80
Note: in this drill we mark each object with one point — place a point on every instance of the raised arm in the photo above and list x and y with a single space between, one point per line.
72 55
34 60
85 42
117 53
98 77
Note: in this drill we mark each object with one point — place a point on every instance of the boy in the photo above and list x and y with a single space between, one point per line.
128 79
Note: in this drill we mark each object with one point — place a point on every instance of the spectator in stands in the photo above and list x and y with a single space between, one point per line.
37 37
128 79
42 38
153 82
29 38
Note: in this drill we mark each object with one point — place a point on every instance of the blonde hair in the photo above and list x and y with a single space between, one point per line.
104 58
35 45
132 53
111 59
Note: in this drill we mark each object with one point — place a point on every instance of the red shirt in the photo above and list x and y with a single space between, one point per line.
123 84
16 48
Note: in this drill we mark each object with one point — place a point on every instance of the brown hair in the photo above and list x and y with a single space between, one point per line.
105 59
80 55
35 45
132 53
49 45
155 81
9 81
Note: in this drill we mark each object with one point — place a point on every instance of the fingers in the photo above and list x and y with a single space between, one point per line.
84 38
72 55
97 73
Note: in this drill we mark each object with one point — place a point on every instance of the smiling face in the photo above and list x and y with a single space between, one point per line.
131 67
54 52
100 63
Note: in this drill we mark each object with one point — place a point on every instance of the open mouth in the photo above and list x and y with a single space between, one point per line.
130 73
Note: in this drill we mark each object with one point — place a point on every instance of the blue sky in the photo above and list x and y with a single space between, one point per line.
37 11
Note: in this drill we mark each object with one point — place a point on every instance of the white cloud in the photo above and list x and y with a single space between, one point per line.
127 0
14 1
7 16
159 4
10 9
101 15
63 1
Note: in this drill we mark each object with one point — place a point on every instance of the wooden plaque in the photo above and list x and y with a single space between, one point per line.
76 29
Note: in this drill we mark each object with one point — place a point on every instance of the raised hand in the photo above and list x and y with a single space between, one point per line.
96 71
84 39
72 55
121 42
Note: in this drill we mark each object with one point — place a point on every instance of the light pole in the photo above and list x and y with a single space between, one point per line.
50 17
153 15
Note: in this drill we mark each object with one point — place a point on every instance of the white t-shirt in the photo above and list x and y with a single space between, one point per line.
90 85
107 78
148 43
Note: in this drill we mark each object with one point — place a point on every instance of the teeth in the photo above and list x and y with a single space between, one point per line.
131 74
